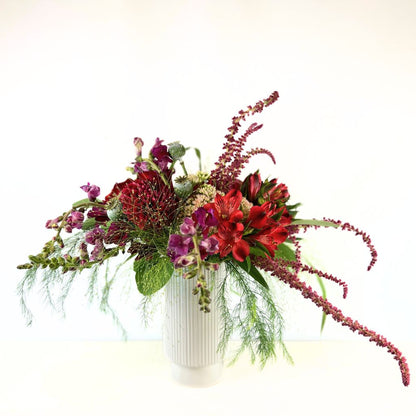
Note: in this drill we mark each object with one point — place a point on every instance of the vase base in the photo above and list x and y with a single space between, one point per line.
197 376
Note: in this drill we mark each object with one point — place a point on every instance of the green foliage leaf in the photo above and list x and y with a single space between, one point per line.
253 272
258 251
322 286
319 223
152 274
88 224
80 202
285 252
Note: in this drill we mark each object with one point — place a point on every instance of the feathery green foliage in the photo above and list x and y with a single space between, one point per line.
255 319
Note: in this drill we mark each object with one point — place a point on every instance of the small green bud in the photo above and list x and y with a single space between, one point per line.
25 266
189 275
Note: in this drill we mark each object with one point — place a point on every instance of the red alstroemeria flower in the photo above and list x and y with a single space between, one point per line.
270 238
226 208
285 218
260 216
278 193
229 236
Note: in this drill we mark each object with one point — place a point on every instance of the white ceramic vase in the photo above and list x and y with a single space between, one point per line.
191 336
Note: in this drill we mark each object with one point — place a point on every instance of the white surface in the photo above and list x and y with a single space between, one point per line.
197 376
79 79
112 378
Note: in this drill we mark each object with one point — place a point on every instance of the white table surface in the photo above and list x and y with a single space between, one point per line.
133 378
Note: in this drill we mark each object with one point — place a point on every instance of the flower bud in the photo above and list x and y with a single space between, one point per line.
189 275
184 188
138 142
176 150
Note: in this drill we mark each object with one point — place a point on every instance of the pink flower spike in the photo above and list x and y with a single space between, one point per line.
282 273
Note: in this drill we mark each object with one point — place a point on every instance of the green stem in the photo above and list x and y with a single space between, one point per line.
183 167
157 169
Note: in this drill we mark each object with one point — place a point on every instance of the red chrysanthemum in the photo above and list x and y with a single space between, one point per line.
148 202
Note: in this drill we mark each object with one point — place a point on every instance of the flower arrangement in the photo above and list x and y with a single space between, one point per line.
160 222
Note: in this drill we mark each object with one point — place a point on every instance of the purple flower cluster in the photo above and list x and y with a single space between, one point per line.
194 240
74 220
159 153
95 237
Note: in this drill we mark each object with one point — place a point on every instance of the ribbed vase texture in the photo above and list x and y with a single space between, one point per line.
191 336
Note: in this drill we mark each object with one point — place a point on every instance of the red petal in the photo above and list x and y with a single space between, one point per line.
258 217
254 185
241 250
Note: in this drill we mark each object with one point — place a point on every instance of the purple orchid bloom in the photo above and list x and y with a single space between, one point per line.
211 220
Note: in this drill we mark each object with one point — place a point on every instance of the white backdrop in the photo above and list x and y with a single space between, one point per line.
80 79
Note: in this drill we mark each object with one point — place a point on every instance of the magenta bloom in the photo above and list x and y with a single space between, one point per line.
184 261
208 246
160 154
100 214
52 223
94 236
75 220
179 245
140 167
97 251
188 227
92 191
205 218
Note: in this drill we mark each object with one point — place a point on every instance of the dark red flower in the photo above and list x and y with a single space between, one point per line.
148 202
116 191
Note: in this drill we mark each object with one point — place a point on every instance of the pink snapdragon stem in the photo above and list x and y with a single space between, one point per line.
277 269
